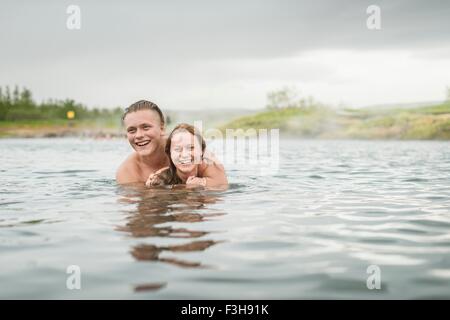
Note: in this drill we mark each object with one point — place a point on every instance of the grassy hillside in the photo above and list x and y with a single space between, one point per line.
430 122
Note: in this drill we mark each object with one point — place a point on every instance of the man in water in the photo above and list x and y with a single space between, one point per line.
145 127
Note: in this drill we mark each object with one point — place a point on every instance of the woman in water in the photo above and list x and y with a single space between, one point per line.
185 148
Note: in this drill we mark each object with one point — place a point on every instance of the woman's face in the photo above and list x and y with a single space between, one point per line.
185 151
144 131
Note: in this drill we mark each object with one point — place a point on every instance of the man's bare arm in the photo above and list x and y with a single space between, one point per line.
125 174
122 177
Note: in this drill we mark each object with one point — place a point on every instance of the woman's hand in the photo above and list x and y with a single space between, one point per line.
154 179
196 181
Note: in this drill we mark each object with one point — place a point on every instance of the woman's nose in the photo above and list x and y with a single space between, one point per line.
185 152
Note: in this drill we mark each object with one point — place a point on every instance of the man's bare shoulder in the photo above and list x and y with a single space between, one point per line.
127 171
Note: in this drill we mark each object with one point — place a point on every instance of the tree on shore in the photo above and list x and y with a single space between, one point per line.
289 98
19 105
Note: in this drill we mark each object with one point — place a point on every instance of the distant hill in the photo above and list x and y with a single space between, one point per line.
395 122
211 118
409 105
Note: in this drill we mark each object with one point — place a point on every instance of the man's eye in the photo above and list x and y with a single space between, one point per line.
147 127
131 130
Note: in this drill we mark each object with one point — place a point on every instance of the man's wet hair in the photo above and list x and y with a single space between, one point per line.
144 105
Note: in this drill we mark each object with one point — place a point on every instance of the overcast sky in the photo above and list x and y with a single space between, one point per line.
226 54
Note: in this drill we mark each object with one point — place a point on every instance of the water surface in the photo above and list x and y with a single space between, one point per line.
311 231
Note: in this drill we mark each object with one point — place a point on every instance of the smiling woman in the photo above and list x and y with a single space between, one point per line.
185 149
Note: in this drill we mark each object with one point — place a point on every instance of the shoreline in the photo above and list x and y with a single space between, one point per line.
58 129
58 133
62 133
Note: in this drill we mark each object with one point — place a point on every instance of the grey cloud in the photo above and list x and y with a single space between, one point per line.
125 48
217 29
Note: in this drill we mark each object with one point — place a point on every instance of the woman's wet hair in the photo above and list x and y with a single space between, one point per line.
182 127
144 105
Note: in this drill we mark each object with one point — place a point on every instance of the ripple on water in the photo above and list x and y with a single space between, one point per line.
310 230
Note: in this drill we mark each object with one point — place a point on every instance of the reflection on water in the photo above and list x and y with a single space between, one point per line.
157 207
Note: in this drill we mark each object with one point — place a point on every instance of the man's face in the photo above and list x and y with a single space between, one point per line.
144 131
